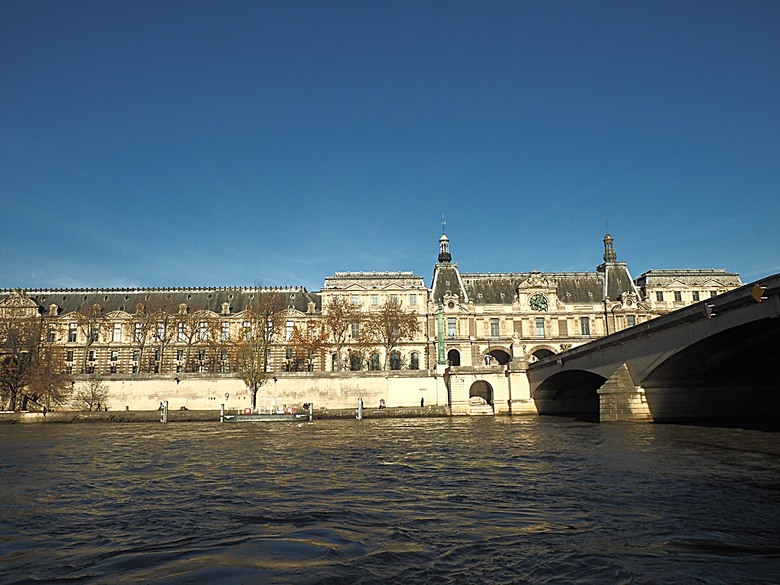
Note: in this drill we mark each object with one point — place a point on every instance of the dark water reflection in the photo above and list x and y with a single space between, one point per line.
521 500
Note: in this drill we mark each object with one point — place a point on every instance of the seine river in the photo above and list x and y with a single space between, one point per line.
463 500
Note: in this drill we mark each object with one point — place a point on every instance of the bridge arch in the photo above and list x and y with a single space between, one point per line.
571 392
481 389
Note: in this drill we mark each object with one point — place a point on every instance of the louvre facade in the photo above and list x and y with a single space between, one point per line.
463 319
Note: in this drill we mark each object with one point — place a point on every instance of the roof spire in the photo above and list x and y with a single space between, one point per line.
444 244
609 249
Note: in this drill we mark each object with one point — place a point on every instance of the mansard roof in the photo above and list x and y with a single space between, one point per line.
501 288
196 299
617 280
688 277
446 279
373 279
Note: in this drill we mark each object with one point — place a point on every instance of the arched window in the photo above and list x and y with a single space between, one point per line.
375 361
453 356
395 361
414 361
334 362
354 362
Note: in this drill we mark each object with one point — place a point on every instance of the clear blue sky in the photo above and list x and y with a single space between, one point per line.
192 143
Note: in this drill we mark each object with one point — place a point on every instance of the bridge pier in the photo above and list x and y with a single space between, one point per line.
620 400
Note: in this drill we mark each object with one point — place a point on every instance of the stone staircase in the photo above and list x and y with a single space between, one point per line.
480 409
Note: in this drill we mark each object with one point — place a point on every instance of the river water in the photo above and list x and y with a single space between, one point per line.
461 500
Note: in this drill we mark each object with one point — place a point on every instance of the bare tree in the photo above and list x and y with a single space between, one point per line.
392 324
93 323
143 331
20 338
49 385
338 317
195 329
261 321
154 329
90 394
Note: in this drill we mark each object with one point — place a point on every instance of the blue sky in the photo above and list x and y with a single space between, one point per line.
192 143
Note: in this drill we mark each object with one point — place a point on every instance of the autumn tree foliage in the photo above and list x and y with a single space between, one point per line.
309 341
261 321
338 317
31 368
391 324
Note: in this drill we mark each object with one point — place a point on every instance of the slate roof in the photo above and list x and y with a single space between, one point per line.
496 289
689 277
196 299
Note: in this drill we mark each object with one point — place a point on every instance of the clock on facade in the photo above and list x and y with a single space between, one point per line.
538 302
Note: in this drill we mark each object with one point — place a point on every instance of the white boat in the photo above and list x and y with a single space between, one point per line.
290 414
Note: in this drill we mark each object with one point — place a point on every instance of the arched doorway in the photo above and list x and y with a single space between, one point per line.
453 357
540 354
497 356
481 392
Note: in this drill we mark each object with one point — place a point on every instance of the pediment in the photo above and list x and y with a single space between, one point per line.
18 304
537 280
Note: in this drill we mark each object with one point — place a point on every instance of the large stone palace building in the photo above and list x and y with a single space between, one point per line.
465 320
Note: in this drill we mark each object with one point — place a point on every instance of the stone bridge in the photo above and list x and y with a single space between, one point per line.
716 360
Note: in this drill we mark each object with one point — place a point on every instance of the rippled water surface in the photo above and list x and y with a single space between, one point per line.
465 500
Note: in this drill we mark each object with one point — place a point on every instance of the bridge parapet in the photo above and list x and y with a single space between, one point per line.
715 350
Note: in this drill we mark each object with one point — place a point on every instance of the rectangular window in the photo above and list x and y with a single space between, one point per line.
114 356
540 326
225 331
288 330
72 333
136 355
69 357
630 320
354 300
203 331
50 336
563 328
413 299
355 330
375 300
201 354
161 330
585 325
116 336
181 333
678 295
659 296
179 354
247 330
112 368
696 298
91 355
394 299
494 328
452 327
138 332
713 293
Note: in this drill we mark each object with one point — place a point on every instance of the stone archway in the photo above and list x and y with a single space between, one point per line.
497 356
453 357
481 392
541 353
